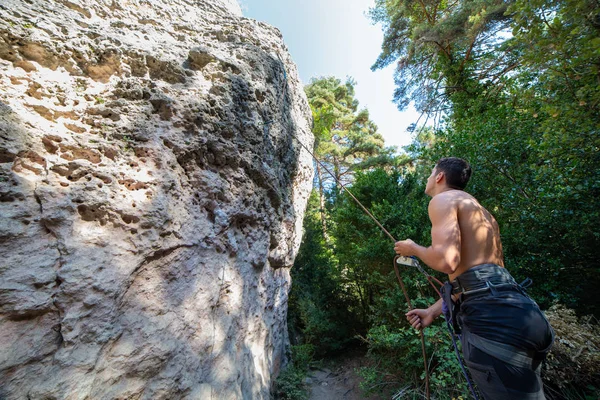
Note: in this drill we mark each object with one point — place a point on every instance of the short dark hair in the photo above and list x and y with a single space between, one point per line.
456 170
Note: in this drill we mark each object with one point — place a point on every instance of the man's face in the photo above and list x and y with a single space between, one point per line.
431 181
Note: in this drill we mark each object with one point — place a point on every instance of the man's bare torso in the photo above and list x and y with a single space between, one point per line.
479 232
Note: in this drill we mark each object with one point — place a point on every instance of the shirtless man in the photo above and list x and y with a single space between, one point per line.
504 334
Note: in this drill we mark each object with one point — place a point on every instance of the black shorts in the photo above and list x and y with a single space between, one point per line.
511 318
498 380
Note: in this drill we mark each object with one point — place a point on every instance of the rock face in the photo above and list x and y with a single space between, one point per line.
152 189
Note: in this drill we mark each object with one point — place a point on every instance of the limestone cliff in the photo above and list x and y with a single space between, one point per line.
152 189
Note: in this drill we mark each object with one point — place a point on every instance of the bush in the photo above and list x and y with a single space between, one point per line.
573 364
400 359
302 356
290 386
290 383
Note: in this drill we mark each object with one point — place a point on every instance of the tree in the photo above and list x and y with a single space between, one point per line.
443 48
518 85
319 311
522 107
346 139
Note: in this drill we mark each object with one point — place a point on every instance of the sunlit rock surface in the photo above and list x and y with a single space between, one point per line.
152 189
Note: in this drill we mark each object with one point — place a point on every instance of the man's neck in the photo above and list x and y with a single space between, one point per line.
441 189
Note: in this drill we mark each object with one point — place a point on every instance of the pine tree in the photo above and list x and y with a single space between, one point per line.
346 139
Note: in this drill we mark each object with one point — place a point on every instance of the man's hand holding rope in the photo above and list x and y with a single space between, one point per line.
422 318
418 318
405 248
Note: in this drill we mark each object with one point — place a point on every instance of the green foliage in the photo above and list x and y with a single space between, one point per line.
558 87
440 47
516 83
564 58
302 356
400 355
365 254
523 109
542 185
290 383
319 305
346 138
327 307
371 378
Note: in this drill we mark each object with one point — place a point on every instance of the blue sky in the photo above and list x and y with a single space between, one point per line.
336 38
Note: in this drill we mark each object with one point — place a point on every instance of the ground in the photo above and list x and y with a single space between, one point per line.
338 378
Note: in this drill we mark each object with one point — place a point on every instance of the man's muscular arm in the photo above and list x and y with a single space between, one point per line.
444 253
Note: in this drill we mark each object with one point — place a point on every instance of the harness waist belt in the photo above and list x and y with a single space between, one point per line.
481 278
521 358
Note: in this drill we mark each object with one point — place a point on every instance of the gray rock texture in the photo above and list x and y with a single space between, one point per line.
152 189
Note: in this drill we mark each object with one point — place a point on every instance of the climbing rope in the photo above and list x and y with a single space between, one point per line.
421 334
414 262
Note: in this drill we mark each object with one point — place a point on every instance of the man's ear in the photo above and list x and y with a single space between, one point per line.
439 176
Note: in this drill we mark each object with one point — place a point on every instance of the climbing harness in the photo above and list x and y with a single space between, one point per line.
449 311
403 260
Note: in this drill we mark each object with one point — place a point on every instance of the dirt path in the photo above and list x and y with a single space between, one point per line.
338 379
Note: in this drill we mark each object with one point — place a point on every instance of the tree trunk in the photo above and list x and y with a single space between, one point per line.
322 204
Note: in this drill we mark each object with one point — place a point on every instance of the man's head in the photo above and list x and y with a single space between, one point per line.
450 172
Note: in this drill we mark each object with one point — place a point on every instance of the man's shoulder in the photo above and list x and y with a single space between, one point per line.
444 202
450 197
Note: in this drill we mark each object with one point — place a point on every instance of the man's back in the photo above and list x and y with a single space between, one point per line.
505 336
479 231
